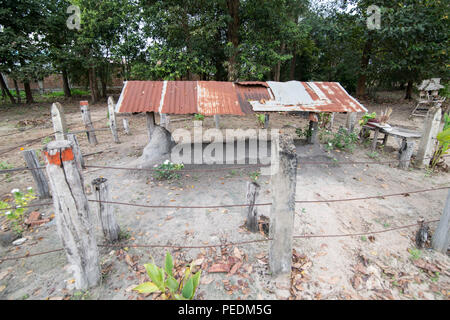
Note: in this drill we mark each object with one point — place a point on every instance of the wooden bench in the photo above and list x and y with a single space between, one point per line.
407 136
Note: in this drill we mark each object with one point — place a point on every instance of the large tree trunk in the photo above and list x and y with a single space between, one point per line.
66 86
5 89
278 66
28 94
16 86
409 90
233 37
293 63
93 85
361 87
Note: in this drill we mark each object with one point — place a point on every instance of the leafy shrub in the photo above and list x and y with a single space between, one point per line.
443 143
199 117
168 170
163 280
261 119
303 133
342 140
365 118
15 216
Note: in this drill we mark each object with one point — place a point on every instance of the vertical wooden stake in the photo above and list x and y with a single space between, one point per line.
375 139
76 150
313 131
59 120
126 127
441 237
266 121
284 182
150 123
38 175
111 229
252 213
217 121
351 121
86 116
406 151
72 214
112 120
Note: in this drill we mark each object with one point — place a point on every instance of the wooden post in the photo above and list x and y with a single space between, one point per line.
266 121
252 214
112 120
165 121
76 150
59 120
428 139
150 123
330 124
313 131
283 182
351 121
86 116
126 127
38 175
441 237
111 229
375 139
217 121
72 214
405 152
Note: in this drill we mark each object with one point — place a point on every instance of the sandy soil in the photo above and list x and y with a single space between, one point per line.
325 268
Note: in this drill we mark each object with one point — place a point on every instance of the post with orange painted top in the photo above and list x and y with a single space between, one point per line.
86 116
73 219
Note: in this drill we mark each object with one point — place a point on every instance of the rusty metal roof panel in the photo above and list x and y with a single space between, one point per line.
254 92
309 96
140 96
180 97
215 97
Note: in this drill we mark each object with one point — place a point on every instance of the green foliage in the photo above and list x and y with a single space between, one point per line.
168 171
164 281
15 216
199 117
415 253
261 119
443 143
342 140
255 175
373 155
365 118
303 133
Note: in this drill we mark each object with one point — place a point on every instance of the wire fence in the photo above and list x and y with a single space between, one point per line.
227 244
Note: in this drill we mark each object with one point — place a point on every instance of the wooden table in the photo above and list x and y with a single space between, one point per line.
407 136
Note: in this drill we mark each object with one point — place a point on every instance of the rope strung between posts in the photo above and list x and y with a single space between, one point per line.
229 244
244 204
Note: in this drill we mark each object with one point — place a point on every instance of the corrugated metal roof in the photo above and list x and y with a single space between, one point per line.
214 97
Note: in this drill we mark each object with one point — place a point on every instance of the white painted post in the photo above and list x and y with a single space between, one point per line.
283 182
112 119
351 121
86 116
38 175
59 121
150 123
126 127
111 229
428 139
441 237
72 214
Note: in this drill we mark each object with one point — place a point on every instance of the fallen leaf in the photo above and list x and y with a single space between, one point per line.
219 267
235 268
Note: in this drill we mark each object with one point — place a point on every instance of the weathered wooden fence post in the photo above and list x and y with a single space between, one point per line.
405 152
428 139
111 229
72 214
351 121
59 121
266 121
112 119
76 150
313 131
126 127
252 213
441 237
284 182
86 116
38 175
150 123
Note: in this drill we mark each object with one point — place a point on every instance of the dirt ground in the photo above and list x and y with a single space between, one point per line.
360 267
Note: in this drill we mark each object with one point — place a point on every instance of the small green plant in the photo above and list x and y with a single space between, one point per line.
303 133
373 155
261 119
163 281
415 253
46 140
81 295
199 117
5 166
342 140
443 143
364 238
436 277
168 170
365 118
15 216
254 175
